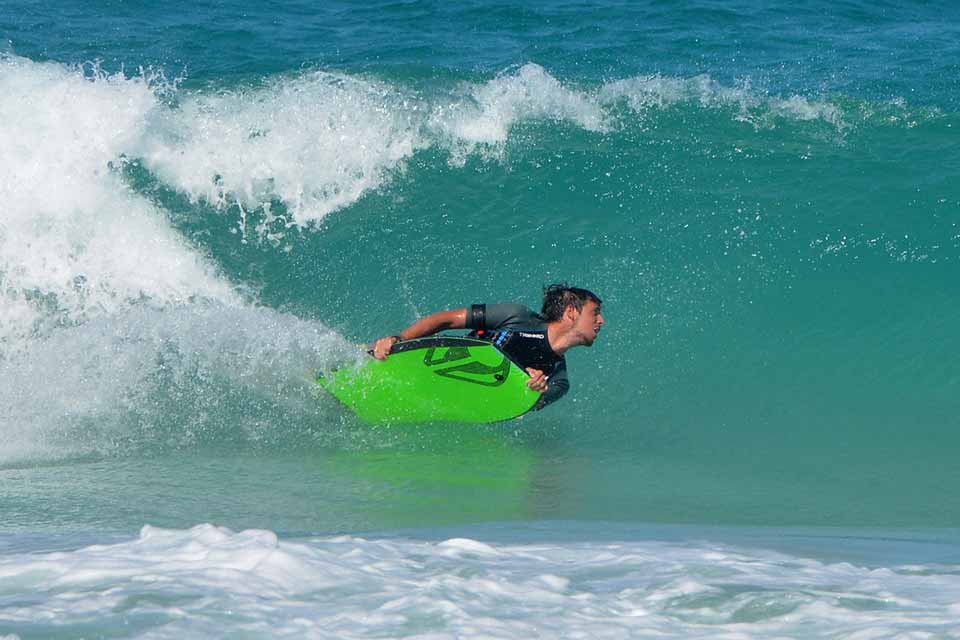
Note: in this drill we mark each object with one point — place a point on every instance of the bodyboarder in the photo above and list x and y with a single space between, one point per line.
570 317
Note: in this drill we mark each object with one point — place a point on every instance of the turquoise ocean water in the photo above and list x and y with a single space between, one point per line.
204 202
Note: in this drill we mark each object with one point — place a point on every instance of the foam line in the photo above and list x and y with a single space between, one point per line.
355 587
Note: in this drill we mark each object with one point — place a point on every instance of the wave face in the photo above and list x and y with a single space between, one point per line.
191 229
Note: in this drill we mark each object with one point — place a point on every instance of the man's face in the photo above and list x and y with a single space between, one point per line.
587 322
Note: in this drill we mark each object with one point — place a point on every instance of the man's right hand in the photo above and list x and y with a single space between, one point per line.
381 349
537 381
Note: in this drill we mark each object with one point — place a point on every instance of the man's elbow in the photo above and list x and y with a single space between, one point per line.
453 319
553 393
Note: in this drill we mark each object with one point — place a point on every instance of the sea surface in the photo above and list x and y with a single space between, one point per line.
203 203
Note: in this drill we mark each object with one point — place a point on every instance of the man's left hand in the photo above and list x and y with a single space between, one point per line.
537 381
381 348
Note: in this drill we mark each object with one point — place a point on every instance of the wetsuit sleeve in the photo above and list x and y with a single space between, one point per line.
557 385
498 316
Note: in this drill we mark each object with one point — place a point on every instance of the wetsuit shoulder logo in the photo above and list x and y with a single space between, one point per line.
472 371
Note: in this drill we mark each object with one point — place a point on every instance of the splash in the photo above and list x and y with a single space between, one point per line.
168 379
75 243
316 143
645 94
481 116
319 142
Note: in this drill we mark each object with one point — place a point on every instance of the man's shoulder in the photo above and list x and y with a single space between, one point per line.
506 314
512 307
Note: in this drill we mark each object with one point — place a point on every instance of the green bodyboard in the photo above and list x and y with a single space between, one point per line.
434 379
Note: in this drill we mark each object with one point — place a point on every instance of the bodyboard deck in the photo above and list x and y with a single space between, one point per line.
446 379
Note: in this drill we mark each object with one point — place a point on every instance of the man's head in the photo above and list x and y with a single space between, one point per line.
577 310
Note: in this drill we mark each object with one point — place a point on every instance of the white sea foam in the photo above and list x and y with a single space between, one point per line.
110 321
75 243
483 114
320 141
209 581
316 142
648 93
165 379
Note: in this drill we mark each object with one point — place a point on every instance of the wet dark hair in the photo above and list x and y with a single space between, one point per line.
557 297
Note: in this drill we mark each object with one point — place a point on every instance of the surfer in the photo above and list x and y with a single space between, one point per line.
570 317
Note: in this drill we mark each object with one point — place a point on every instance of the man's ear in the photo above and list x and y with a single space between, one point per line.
570 313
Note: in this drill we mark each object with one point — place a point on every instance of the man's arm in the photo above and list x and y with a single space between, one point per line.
426 326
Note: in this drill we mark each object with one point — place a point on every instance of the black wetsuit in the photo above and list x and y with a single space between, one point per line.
522 334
